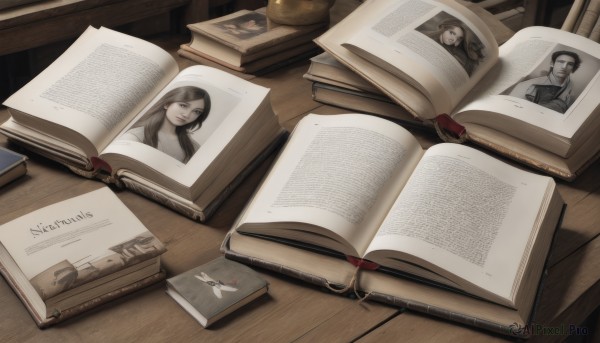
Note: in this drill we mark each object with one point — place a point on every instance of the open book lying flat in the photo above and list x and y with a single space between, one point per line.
117 107
474 232
533 99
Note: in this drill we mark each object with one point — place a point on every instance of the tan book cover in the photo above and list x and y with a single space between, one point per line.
62 257
245 36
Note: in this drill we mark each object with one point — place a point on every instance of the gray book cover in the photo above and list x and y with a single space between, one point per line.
215 289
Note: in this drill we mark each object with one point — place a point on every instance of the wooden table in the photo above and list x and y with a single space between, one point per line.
292 311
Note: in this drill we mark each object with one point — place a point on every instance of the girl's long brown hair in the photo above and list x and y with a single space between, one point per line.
157 114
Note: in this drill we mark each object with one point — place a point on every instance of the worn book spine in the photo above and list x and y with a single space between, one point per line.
88 305
259 66
512 330
306 277
448 315
565 174
257 43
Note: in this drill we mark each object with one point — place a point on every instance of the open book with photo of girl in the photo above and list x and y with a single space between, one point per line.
170 122
117 108
531 99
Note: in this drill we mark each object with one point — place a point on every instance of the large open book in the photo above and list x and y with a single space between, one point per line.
117 107
450 229
74 255
533 99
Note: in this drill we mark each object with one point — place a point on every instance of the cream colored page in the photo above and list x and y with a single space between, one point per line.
527 55
97 85
340 172
405 34
79 230
233 101
466 213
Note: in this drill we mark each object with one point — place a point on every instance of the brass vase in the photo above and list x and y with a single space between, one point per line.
299 12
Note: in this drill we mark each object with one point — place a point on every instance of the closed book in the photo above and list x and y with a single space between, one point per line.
12 165
245 36
213 290
73 255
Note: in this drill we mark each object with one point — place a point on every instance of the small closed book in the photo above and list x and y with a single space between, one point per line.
76 254
12 165
213 290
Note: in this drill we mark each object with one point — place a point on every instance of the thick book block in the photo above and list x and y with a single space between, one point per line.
71 256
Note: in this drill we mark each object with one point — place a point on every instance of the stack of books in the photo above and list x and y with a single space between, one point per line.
246 41
74 255
335 84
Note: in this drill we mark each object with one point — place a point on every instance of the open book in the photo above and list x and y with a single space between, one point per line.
74 255
117 107
359 188
533 99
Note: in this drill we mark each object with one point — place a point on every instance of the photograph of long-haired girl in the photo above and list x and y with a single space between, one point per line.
457 38
168 124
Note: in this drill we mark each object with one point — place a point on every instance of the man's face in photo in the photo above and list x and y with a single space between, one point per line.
563 66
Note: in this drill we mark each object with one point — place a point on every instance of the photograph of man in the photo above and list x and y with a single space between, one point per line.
554 90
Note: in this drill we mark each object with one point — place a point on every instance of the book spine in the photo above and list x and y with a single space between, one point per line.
46 322
448 315
312 279
66 314
164 200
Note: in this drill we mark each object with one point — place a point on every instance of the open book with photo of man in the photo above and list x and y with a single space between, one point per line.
532 99
118 108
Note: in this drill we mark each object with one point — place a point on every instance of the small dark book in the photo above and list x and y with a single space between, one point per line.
213 290
12 165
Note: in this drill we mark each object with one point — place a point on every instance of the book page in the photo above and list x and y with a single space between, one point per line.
525 88
340 173
220 104
75 241
439 47
463 213
96 86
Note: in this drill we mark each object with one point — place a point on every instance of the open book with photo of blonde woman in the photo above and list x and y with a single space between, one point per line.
531 99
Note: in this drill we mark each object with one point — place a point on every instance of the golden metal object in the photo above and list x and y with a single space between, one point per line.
299 12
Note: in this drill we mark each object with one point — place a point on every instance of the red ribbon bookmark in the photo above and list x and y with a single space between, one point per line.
448 124
362 264
100 164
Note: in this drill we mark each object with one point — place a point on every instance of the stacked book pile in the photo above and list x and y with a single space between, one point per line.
246 41
335 84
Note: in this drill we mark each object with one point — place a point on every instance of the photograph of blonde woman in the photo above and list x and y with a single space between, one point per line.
454 36
168 124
